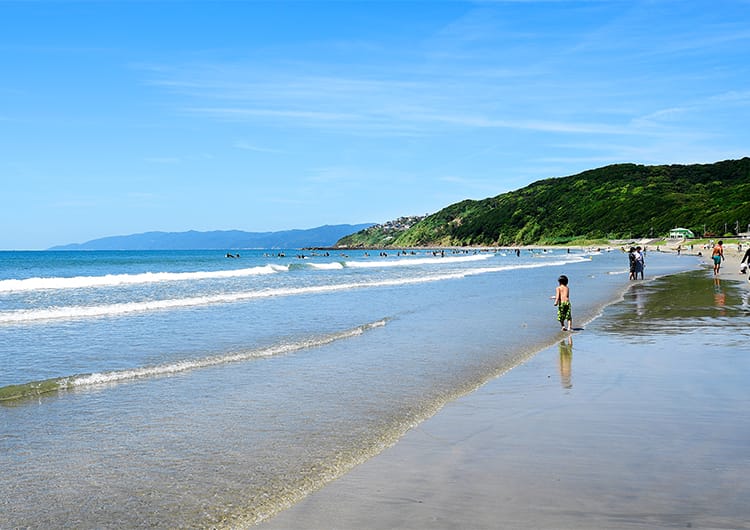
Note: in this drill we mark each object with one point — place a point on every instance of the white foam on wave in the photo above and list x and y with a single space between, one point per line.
335 265
117 376
109 310
113 280
104 378
406 262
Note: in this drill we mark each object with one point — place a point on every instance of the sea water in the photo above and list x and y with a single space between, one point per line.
188 389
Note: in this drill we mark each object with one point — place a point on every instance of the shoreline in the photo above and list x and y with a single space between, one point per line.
494 457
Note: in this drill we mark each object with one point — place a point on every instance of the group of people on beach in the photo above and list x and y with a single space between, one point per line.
637 261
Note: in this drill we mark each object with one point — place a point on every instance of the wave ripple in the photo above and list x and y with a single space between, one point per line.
36 388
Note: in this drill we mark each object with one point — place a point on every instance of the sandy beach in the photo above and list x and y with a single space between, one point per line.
638 421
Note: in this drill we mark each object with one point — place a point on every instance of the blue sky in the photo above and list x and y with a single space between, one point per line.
126 117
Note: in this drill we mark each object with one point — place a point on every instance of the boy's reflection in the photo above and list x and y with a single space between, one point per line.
566 361
720 299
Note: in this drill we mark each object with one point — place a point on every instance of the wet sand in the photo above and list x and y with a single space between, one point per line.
639 421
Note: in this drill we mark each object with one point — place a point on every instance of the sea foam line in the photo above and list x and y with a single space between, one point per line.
334 265
74 312
35 388
113 280
418 261
379 262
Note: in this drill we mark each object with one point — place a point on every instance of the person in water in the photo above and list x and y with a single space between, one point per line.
640 261
562 301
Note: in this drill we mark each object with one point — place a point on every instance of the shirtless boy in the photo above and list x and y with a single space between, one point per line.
717 254
562 301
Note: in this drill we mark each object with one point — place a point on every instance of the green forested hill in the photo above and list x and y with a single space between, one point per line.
618 201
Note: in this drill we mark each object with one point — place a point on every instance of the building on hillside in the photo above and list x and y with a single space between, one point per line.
681 233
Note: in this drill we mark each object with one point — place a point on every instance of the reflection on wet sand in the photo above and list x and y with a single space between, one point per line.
676 304
566 362
640 301
720 299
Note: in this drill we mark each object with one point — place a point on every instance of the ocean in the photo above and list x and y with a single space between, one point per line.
188 389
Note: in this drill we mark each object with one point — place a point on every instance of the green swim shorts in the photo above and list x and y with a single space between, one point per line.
563 312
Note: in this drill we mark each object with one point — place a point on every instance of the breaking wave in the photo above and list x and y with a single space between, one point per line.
407 262
108 310
35 388
113 280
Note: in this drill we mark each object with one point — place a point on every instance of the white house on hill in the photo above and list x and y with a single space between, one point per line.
681 233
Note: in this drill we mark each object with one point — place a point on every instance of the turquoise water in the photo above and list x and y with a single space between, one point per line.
186 389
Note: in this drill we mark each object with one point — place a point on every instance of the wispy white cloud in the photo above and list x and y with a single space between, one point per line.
741 97
240 113
606 80
531 125
174 160
247 146
406 119
355 175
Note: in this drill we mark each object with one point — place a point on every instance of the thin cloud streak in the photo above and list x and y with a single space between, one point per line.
246 146
240 113
411 120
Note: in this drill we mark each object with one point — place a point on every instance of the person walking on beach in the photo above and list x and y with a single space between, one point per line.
640 262
717 254
745 263
562 301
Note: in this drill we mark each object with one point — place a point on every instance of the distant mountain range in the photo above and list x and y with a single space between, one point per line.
323 236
